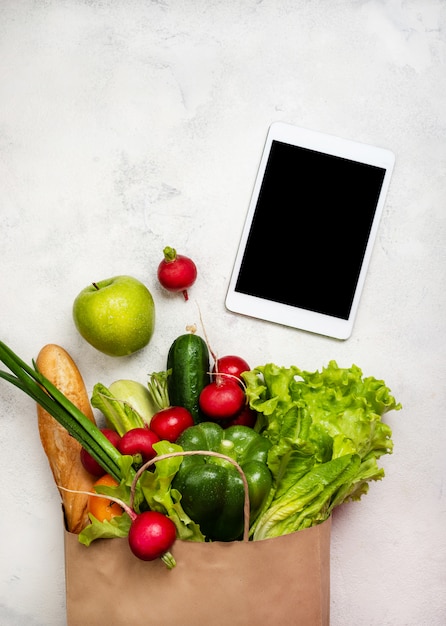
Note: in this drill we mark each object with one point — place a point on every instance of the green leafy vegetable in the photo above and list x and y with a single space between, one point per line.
118 526
325 429
158 389
327 435
136 395
118 411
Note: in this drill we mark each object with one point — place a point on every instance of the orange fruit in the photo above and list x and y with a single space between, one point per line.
100 507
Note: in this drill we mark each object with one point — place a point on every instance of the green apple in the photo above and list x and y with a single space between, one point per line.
116 316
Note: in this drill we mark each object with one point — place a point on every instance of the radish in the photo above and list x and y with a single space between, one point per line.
231 365
89 463
139 442
246 417
222 399
176 272
170 422
151 535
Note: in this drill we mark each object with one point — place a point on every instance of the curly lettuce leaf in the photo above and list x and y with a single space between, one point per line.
118 526
327 433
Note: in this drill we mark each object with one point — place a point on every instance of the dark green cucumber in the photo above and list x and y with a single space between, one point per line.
188 362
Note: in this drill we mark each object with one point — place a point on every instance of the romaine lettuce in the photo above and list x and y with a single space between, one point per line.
327 434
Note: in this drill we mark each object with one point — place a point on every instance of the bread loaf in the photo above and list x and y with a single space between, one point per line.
62 450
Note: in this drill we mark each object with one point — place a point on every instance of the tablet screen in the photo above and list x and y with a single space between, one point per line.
310 229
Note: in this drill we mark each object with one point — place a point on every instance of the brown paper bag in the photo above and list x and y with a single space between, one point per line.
283 581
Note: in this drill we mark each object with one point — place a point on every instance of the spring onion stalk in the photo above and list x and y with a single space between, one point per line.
42 391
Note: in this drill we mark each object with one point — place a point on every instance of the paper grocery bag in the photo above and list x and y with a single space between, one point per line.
282 581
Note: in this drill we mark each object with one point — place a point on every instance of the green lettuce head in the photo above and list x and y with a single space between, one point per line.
327 434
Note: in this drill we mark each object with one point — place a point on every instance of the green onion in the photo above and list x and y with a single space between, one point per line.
42 391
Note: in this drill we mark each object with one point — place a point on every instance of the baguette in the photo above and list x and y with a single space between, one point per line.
61 449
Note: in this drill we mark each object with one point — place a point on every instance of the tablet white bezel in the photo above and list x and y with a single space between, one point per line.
289 315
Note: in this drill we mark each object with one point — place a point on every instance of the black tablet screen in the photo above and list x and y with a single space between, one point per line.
310 230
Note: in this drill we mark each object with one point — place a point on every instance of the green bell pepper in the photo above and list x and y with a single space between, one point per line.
211 488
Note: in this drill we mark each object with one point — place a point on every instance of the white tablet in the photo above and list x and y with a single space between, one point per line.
309 231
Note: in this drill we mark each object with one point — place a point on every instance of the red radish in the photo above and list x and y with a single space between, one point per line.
176 272
139 441
89 463
151 535
170 422
232 365
222 399
246 417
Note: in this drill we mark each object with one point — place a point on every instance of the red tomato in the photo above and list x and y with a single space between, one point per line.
169 423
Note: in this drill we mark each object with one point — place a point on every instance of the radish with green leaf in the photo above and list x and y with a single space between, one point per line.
169 421
151 535
176 272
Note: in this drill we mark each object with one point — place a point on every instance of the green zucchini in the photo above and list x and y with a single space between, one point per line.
188 363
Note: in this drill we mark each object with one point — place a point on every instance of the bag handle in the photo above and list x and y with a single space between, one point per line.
160 457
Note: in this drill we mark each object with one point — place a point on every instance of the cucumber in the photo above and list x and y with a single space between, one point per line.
188 362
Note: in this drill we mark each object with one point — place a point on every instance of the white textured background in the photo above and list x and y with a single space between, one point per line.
126 126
